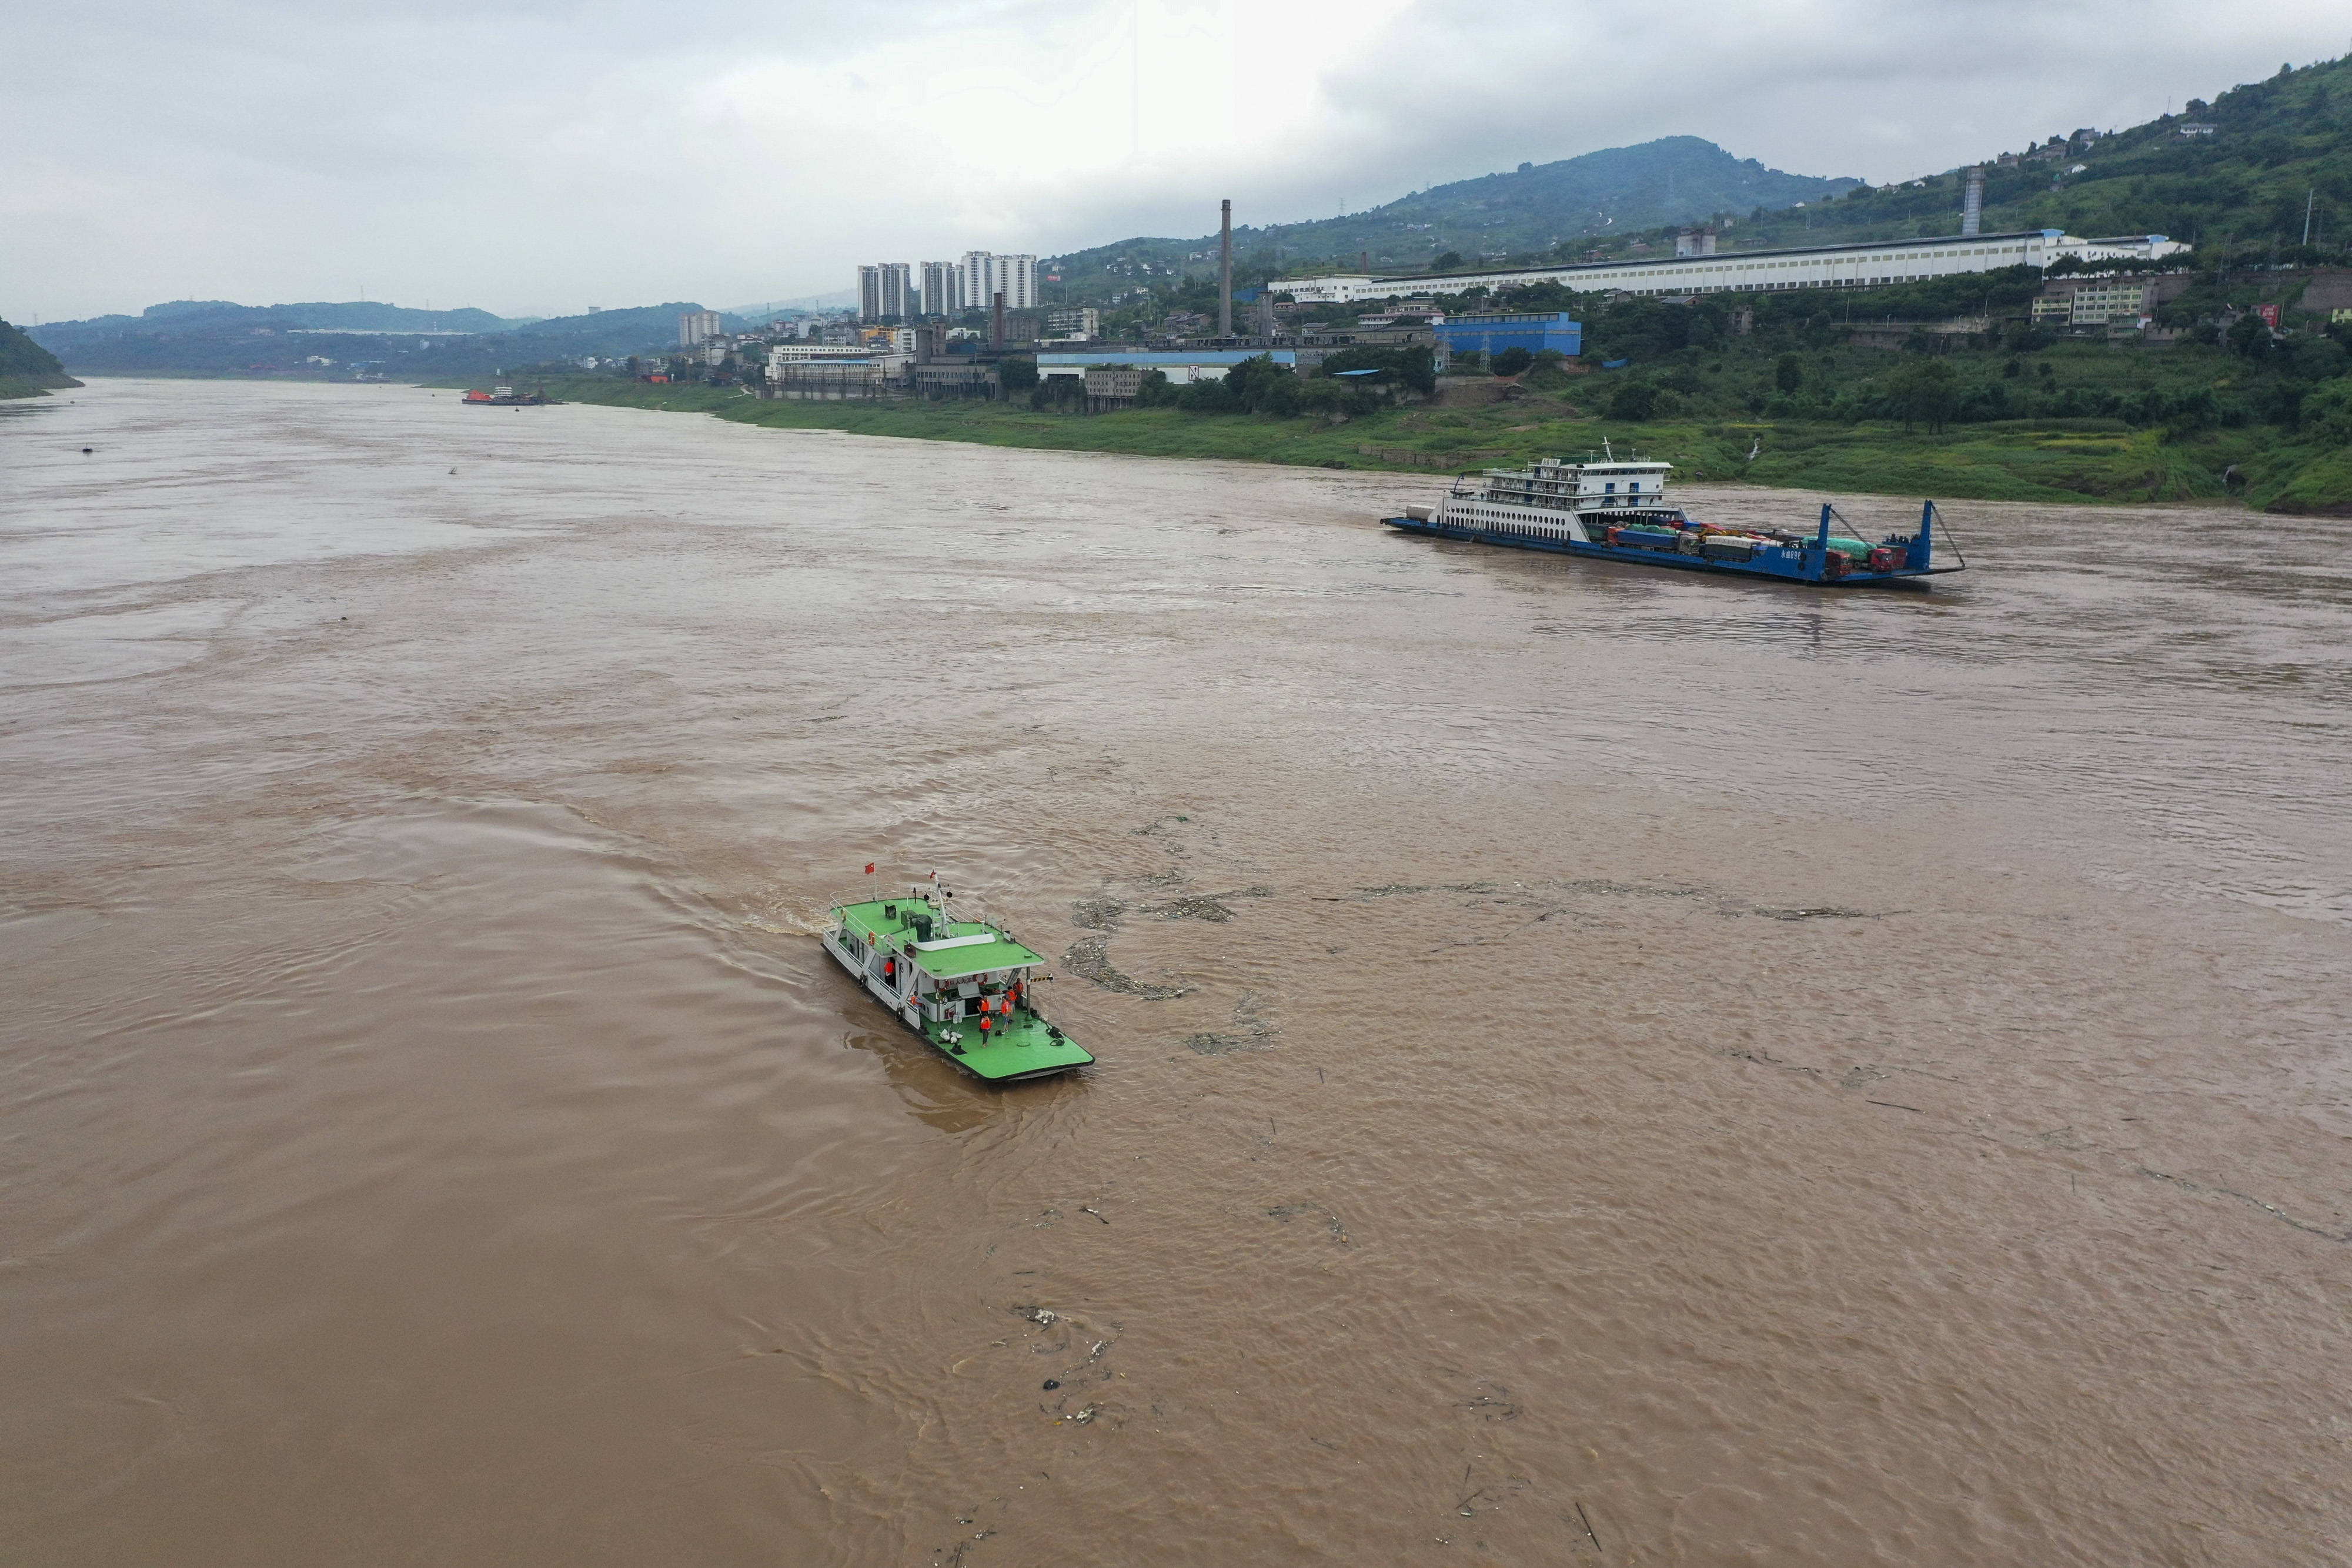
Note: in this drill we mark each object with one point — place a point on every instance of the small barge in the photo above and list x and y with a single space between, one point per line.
1617 509
963 985
506 397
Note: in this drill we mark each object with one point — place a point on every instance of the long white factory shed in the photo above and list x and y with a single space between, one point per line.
1755 271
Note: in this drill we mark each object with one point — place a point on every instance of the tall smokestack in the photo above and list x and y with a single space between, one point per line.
1225 271
1972 204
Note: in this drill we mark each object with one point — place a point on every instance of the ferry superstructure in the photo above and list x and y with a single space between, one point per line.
963 984
1616 508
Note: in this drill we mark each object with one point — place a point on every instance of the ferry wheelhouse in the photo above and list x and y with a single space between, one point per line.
1617 509
963 985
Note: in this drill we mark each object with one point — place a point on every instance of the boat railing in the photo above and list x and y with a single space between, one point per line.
868 894
967 908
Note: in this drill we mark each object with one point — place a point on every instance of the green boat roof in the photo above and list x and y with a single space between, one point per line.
953 963
950 954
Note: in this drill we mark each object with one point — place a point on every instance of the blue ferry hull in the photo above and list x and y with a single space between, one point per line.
1807 562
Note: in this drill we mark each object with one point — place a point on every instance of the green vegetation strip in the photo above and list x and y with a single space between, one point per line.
2059 460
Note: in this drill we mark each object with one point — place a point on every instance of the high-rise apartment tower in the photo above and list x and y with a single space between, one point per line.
882 291
938 278
983 275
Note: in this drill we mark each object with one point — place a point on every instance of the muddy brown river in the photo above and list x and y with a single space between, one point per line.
1597 1066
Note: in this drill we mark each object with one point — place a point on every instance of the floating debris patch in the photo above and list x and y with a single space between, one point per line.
1290 1211
1255 1031
1096 914
1089 959
1204 906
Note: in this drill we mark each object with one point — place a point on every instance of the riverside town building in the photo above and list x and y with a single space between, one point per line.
1737 272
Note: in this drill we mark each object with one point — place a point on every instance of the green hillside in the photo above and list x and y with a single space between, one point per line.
26 369
2277 148
1549 208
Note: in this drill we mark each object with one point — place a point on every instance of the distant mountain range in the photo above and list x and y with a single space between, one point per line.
362 315
1540 208
216 338
768 310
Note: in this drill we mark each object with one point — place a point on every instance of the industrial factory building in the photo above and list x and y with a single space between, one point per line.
1489 333
1734 272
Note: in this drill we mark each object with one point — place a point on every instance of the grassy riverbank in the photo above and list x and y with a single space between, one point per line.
2021 460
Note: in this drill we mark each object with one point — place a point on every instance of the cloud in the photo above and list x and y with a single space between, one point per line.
542 157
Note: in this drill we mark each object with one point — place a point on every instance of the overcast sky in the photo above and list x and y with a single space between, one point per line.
540 156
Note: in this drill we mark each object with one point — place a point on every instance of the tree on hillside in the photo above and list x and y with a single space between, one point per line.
1634 402
1512 360
2328 412
1925 393
2251 336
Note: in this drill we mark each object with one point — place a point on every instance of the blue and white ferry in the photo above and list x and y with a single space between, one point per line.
1616 509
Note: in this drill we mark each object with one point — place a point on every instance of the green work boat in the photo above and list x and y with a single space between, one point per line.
963 984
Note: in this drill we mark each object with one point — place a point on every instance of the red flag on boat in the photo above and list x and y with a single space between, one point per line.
869 868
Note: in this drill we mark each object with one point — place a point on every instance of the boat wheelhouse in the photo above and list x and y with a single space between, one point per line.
963 984
1617 509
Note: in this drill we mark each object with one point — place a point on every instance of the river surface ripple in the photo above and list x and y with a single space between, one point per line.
1596 1065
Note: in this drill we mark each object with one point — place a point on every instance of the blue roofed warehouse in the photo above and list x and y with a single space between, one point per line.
1491 333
